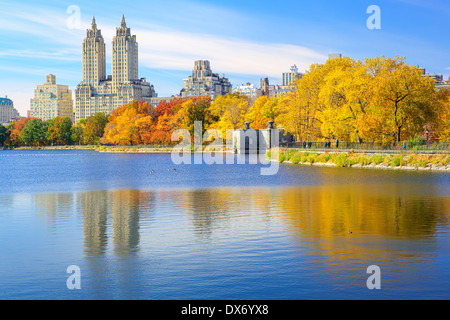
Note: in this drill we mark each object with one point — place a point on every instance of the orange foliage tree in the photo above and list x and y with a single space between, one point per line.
130 124
15 133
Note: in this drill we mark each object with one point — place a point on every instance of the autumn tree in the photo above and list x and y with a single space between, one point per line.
15 131
345 95
165 121
59 131
442 124
130 124
262 111
192 110
404 100
228 112
302 114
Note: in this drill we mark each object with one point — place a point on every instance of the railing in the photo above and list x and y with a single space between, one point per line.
442 147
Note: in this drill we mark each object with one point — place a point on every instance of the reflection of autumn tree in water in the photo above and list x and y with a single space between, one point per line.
381 210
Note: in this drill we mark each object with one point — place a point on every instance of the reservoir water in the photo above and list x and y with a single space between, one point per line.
217 231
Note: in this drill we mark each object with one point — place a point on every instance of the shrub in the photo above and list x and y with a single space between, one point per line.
342 160
324 157
377 159
363 160
312 158
416 142
397 161
422 162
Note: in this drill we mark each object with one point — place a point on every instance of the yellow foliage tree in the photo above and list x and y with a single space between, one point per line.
229 111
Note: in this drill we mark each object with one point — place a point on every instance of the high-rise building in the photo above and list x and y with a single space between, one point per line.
291 76
7 110
124 56
51 100
203 82
94 54
100 93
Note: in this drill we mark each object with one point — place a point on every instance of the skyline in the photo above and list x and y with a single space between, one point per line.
245 41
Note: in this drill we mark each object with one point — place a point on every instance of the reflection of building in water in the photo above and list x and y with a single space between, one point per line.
122 209
228 208
125 220
53 206
95 206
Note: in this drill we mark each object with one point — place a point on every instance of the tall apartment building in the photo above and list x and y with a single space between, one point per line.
100 93
203 82
51 100
291 76
7 111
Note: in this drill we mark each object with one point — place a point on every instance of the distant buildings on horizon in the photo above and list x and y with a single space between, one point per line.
7 111
98 92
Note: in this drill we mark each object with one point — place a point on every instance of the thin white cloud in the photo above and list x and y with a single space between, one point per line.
64 55
177 50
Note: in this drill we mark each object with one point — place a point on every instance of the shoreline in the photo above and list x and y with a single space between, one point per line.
374 166
408 161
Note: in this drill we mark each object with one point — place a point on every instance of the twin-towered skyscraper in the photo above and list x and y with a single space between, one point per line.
100 93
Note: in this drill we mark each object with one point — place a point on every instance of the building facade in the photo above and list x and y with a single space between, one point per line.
51 100
7 111
290 77
203 82
100 93
249 90
274 90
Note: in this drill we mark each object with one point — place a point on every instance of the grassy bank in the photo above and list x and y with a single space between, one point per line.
133 149
407 161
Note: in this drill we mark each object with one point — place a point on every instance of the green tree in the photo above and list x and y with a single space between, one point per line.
78 132
95 128
3 135
35 133
65 131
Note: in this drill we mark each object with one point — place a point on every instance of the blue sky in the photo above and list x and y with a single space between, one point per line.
245 40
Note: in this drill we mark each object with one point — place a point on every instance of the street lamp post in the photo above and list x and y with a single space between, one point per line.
427 136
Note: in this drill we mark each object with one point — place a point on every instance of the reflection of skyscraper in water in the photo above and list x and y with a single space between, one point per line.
120 210
56 207
125 220
94 206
